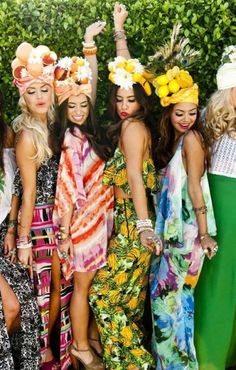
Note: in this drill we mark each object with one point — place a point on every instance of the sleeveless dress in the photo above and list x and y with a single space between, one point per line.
21 350
215 319
80 183
44 243
118 291
175 275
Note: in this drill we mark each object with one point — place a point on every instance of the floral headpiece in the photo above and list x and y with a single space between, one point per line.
33 65
72 77
173 83
226 74
125 73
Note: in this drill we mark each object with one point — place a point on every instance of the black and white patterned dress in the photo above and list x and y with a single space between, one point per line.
21 350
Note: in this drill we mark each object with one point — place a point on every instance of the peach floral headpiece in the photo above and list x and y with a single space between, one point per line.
33 65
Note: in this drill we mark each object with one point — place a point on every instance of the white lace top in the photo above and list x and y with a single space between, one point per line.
224 157
6 182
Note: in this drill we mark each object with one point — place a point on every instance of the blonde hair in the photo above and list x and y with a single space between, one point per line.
221 115
39 131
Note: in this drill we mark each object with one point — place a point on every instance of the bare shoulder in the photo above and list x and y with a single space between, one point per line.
193 139
133 128
24 143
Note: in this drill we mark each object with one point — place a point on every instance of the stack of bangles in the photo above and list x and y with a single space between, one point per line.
119 35
24 242
62 236
89 48
144 225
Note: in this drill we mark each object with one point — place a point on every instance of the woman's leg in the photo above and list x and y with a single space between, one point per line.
54 307
79 313
11 306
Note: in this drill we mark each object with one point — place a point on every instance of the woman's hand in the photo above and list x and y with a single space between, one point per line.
151 241
25 259
66 248
93 30
209 246
10 245
120 14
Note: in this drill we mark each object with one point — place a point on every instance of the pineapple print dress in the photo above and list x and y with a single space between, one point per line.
118 291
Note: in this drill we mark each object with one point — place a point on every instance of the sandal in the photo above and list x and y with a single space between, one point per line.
95 364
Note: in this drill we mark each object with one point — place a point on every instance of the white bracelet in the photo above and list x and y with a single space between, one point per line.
88 44
24 246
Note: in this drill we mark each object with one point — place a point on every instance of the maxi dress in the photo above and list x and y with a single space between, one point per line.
44 243
175 275
118 292
21 350
215 296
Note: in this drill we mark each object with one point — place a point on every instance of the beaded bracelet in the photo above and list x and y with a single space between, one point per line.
201 210
202 237
119 35
11 224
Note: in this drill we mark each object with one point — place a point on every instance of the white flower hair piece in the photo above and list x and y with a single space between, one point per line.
229 55
127 72
73 70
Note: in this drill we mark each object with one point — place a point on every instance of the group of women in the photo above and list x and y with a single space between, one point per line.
88 211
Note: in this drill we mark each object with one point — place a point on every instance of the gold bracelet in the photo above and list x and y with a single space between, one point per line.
90 51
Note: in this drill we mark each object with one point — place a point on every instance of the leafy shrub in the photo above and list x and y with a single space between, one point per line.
60 24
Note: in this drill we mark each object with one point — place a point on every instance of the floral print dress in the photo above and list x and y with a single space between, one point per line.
118 291
175 275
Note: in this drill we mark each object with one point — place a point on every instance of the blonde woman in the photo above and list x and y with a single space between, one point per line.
35 183
216 292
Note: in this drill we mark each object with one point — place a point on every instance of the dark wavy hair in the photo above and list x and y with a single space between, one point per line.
3 133
163 151
144 114
90 129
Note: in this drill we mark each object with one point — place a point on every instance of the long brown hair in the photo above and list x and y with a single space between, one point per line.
3 133
90 129
163 151
144 114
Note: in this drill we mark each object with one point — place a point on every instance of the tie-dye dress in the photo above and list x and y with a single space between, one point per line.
175 274
80 184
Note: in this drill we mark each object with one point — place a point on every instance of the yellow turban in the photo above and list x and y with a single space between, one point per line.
186 95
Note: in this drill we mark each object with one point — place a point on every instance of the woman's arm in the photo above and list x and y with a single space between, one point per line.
24 153
135 132
92 31
120 14
195 165
10 238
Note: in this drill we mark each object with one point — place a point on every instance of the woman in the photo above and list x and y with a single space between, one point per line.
118 291
216 291
18 308
33 70
83 205
185 219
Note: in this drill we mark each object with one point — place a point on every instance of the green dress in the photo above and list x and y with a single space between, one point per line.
118 291
215 295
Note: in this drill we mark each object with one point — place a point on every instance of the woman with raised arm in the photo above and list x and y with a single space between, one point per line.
83 205
118 291
18 307
185 219
35 184
215 337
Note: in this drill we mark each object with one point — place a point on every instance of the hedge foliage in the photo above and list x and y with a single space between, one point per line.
60 24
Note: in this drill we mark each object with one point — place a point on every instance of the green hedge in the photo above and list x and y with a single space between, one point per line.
60 24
